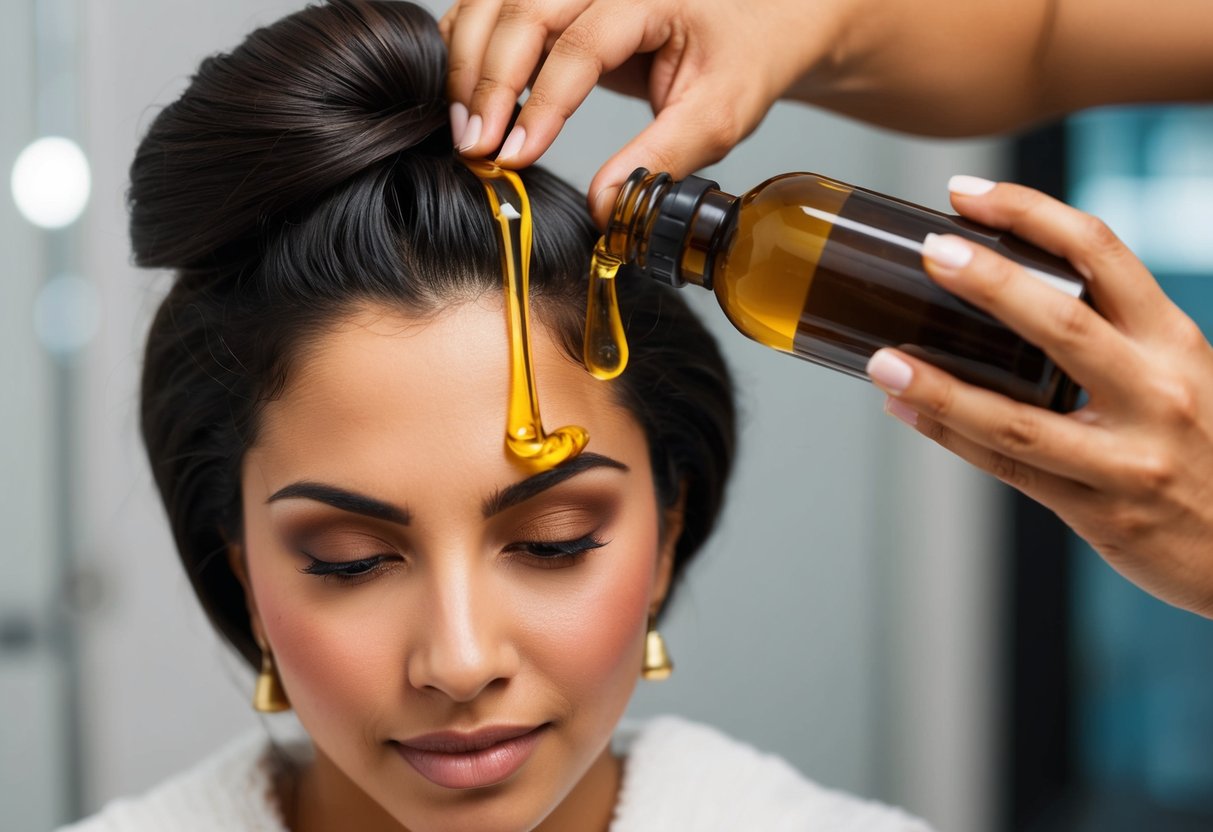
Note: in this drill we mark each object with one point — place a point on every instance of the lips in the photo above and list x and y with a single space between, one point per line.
472 760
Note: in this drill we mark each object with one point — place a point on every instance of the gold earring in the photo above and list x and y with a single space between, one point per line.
657 664
269 696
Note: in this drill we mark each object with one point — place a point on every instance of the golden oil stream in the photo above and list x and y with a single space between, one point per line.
605 349
524 436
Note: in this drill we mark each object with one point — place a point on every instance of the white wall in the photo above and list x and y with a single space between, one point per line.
839 617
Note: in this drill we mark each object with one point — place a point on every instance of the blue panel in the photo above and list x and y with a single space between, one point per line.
1144 670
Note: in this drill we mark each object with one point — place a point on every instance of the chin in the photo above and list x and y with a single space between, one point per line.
487 812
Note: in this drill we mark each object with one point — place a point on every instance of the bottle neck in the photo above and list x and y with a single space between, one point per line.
669 230
707 228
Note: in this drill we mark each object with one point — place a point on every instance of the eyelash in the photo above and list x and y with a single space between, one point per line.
559 553
544 554
349 571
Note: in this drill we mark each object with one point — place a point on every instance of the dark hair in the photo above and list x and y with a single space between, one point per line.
312 169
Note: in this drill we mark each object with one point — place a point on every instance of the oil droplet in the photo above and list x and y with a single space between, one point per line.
605 349
524 434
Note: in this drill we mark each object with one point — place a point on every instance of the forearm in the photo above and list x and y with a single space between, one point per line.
1118 51
963 67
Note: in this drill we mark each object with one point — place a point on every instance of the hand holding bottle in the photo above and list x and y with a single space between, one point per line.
1129 471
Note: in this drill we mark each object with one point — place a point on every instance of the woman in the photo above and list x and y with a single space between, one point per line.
1130 471
324 397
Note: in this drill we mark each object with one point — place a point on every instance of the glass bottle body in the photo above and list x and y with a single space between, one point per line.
831 273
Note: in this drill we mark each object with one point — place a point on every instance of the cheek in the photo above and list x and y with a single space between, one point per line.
324 657
322 660
591 638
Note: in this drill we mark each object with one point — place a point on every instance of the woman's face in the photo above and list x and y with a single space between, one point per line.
458 634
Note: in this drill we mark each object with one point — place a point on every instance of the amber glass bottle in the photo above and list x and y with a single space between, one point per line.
831 273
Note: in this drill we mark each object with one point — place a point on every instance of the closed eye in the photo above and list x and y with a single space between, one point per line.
349 571
557 549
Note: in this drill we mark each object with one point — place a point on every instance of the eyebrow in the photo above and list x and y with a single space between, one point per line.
520 492
345 500
497 502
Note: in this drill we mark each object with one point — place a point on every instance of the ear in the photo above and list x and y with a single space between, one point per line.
239 566
672 520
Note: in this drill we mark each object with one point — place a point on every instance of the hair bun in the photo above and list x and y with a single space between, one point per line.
298 108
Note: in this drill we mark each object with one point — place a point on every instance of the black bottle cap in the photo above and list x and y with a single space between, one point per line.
670 228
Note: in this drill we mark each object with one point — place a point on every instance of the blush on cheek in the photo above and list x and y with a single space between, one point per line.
613 616
327 663
320 648
595 635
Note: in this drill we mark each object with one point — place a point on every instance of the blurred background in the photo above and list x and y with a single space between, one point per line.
893 623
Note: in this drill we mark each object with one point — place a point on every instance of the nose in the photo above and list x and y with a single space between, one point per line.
466 646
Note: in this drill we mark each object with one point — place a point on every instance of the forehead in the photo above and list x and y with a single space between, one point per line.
383 395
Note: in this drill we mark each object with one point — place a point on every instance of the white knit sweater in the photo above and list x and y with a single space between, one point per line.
679 776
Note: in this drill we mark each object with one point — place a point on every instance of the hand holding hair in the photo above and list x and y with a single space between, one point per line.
1129 471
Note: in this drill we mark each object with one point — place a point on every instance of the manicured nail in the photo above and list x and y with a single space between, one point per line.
890 372
459 122
471 134
901 411
970 185
513 144
947 251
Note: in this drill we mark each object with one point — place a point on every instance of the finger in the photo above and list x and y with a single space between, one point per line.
692 132
446 23
1046 488
1121 287
468 34
510 59
1082 343
469 25
602 38
1011 433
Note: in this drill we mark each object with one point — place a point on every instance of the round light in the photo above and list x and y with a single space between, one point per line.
51 182
67 314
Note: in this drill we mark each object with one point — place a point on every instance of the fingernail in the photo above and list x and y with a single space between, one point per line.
513 144
459 122
947 251
604 200
901 411
970 185
471 134
890 372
